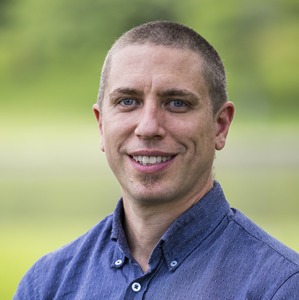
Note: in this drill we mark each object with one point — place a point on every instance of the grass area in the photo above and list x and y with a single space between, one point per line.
55 184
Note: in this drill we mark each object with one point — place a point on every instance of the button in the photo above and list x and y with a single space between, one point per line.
173 263
136 287
118 262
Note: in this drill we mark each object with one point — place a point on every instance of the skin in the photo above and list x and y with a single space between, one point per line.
157 104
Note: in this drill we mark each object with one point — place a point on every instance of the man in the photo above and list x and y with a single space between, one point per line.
162 111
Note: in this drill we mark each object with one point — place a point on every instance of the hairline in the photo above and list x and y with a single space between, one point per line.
108 63
210 67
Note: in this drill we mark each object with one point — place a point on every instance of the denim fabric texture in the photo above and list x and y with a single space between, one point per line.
211 251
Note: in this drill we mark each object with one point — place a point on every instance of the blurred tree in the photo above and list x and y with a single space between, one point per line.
53 39
258 41
3 12
52 28
98 23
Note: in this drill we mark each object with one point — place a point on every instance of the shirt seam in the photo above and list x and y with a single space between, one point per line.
275 250
283 284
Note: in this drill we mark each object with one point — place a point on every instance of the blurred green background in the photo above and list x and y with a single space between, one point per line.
54 181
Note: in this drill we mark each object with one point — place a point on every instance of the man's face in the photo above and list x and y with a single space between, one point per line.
157 126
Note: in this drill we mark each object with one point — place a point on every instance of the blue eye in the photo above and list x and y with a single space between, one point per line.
127 102
177 103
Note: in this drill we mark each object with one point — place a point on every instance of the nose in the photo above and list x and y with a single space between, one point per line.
150 122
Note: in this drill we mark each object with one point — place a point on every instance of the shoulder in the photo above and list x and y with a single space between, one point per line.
98 236
250 230
269 263
53 266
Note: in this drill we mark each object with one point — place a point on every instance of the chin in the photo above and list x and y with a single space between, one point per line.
149 180
151 199
153 195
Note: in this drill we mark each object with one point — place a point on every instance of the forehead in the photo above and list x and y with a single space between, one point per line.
151 67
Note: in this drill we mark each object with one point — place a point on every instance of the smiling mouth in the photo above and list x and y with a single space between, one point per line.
151 160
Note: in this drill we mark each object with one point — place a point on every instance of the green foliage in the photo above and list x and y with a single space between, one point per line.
53 52
51 28
258 41
3 12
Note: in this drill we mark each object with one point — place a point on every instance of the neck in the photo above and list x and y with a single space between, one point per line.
144 225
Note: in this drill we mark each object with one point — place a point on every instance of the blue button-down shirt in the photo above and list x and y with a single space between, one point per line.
211 251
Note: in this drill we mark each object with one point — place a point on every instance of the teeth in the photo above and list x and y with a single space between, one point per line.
145 159
150 160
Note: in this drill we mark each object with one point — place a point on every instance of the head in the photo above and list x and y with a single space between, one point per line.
161 113
173 35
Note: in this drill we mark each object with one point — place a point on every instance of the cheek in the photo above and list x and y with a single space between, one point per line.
115 134
201 140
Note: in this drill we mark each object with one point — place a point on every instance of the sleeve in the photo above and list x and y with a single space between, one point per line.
25 290
289 290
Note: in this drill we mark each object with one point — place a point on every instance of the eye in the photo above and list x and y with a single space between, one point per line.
178 106
127 102
177 103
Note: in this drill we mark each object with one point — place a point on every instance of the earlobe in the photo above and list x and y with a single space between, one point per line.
97 113
223 119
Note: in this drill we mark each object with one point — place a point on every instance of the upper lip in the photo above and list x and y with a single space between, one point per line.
150 153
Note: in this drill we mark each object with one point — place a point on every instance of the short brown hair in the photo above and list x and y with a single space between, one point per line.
174 35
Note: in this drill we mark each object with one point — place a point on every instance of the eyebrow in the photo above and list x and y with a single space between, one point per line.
126 91
177 92
166 93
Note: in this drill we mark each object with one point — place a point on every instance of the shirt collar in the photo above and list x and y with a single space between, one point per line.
185 234
194 226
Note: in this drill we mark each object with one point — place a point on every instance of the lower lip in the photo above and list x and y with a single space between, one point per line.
152 168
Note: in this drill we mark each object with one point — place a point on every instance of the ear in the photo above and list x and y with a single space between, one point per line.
223 119
97 113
